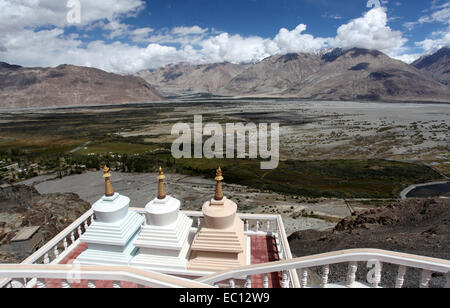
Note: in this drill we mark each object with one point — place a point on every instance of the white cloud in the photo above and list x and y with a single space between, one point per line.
16 15
188 30
440 14
294 41
141 35
29 46
437 40
370 31
408 58
234 48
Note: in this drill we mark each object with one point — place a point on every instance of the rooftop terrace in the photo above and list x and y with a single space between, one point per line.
269 264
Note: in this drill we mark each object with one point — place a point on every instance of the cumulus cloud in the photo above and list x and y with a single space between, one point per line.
188 30
294 41
234 48
437 40
439 14
408 58
16 15
39 38
370 31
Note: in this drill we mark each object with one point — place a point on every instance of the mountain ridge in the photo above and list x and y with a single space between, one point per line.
353 74
436 65
69 85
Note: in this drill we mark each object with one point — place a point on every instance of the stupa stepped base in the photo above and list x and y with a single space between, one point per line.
230 240
108 255
113 234
162 261
212 262
171 237
163 248
216 250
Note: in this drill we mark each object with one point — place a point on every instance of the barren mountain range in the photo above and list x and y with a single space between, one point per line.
355 74
436 65
185 79
69 85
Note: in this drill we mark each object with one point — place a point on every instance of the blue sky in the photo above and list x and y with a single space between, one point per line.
264 17
131 35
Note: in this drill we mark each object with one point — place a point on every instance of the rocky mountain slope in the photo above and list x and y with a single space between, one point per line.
360 74
355 74
436 65
417 226
274 75
22 206
68 85
184 79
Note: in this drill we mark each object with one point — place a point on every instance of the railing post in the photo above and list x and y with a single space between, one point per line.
248 282
72 237
266 281
400 277
304 281
426 277
232 284
268 226
80 232
325 274
117 285
41 283
257 226
198 222
377 276
65 244
65 284
247 225
56 251
285 280
92 284
351 276
46 259
17 284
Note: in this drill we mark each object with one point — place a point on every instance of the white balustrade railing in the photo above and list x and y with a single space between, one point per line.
63 244
70 274
258 225
351 257
58 247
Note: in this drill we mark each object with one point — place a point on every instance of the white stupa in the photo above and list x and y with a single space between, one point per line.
164 241
110 237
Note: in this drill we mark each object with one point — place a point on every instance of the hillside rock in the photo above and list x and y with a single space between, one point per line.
274 75
361 74
355 74
22 206
436 65
184 79
69 85
416 226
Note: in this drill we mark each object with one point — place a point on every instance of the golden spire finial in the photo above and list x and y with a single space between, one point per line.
109 190
219 178
161 190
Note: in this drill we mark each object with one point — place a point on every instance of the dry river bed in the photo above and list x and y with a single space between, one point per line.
330 130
